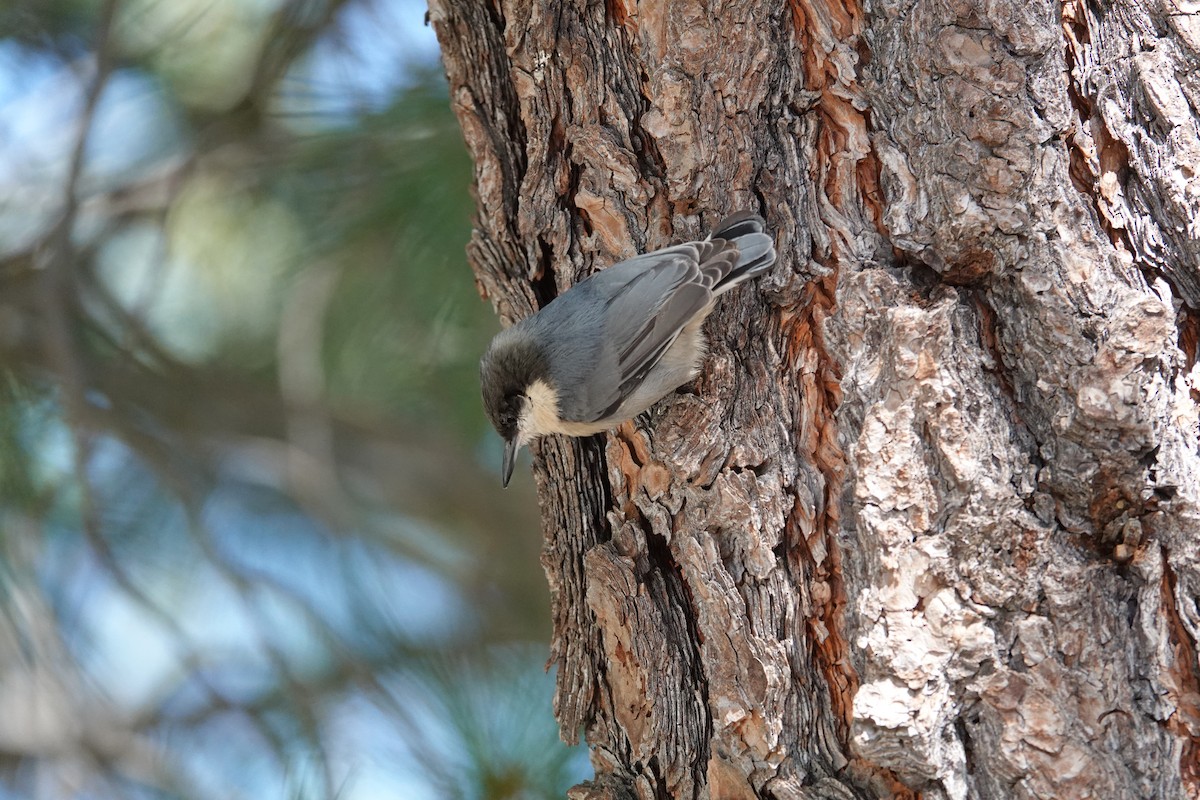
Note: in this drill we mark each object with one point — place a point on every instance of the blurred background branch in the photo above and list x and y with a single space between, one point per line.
252 538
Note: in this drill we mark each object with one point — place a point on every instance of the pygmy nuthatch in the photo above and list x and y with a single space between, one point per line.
613 344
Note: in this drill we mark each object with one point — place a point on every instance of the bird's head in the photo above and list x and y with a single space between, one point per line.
512 369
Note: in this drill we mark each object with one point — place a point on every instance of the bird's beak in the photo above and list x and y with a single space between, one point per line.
510 459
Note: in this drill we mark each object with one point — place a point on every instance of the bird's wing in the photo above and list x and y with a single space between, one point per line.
650 298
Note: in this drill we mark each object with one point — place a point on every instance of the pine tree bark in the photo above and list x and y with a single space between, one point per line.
927 524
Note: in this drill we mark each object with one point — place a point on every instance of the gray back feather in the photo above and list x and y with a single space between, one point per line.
627 316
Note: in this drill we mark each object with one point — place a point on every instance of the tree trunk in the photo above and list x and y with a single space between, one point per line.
927 523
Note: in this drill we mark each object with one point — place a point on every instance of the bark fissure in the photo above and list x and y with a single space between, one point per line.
1184 720
567 543
1100 162
679 595
1105 169
1149 58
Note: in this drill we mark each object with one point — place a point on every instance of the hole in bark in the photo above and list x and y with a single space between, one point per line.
968 745
654 767
1166 492
864 53
759 470
1189 334
544 288
685 207
924 277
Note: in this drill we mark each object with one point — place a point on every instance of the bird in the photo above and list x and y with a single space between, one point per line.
615 343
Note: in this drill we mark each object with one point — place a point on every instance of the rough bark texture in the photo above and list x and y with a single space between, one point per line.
927 523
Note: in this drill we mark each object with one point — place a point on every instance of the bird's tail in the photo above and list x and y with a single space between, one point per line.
756 249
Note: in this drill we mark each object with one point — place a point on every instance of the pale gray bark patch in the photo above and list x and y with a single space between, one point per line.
1024 447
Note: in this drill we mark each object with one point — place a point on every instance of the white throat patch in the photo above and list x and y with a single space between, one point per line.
540 415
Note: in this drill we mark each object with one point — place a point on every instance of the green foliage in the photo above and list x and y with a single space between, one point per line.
386 205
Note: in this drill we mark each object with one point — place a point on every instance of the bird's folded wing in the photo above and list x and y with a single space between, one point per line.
651 298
